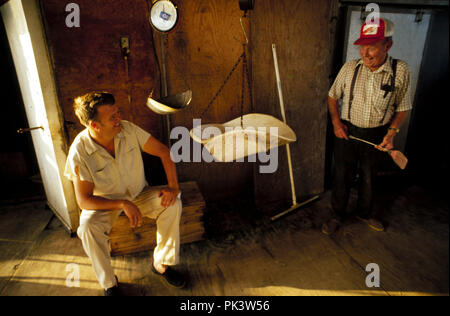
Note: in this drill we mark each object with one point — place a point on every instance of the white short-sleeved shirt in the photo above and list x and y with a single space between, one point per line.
121 177
369 103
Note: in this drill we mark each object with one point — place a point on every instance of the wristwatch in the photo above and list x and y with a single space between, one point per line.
394 129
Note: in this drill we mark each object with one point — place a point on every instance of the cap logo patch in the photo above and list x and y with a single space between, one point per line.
370 29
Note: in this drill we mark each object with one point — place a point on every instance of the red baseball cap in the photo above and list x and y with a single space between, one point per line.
372 32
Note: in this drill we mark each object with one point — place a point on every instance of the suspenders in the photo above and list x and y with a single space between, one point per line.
352 88
386 88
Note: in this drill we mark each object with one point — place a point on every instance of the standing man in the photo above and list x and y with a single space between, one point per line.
105 164
375 91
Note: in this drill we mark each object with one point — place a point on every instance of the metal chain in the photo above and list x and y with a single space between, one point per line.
245 75
248 83
243 88
223 84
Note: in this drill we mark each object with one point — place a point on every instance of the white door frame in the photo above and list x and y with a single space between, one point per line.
27 40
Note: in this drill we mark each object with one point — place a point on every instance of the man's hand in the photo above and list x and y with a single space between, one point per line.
388 140
340 129
168 196
133 213
387 143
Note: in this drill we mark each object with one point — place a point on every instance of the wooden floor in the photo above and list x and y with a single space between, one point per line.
289 257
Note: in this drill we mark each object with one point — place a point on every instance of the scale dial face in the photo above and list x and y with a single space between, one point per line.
163 15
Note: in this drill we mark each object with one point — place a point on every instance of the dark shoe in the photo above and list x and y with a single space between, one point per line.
330 227
373 223
113 291
171 277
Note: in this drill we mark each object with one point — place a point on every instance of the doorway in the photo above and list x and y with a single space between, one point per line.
22 21
421 39
20 179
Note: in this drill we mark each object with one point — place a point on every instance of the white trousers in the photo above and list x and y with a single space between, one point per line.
95 227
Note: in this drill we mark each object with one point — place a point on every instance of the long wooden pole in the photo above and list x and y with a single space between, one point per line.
283 114
288 150
164 81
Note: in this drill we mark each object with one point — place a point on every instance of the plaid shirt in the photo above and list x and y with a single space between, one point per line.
370 103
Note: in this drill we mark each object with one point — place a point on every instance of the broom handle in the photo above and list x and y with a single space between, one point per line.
365 141
361 140
277 73
280 95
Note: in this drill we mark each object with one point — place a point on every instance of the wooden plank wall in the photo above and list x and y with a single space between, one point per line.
89 57
200 52
301 31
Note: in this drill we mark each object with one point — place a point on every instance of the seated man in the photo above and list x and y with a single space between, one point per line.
105 164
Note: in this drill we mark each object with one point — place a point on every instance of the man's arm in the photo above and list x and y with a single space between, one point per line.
403 102
84 192
397 121
156 148
340 129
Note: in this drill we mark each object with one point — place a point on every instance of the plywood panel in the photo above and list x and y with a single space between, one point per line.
89 57
300 29
201 52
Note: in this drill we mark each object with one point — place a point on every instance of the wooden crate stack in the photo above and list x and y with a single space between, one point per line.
125 240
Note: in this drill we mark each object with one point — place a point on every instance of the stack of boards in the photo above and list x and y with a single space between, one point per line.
125 240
